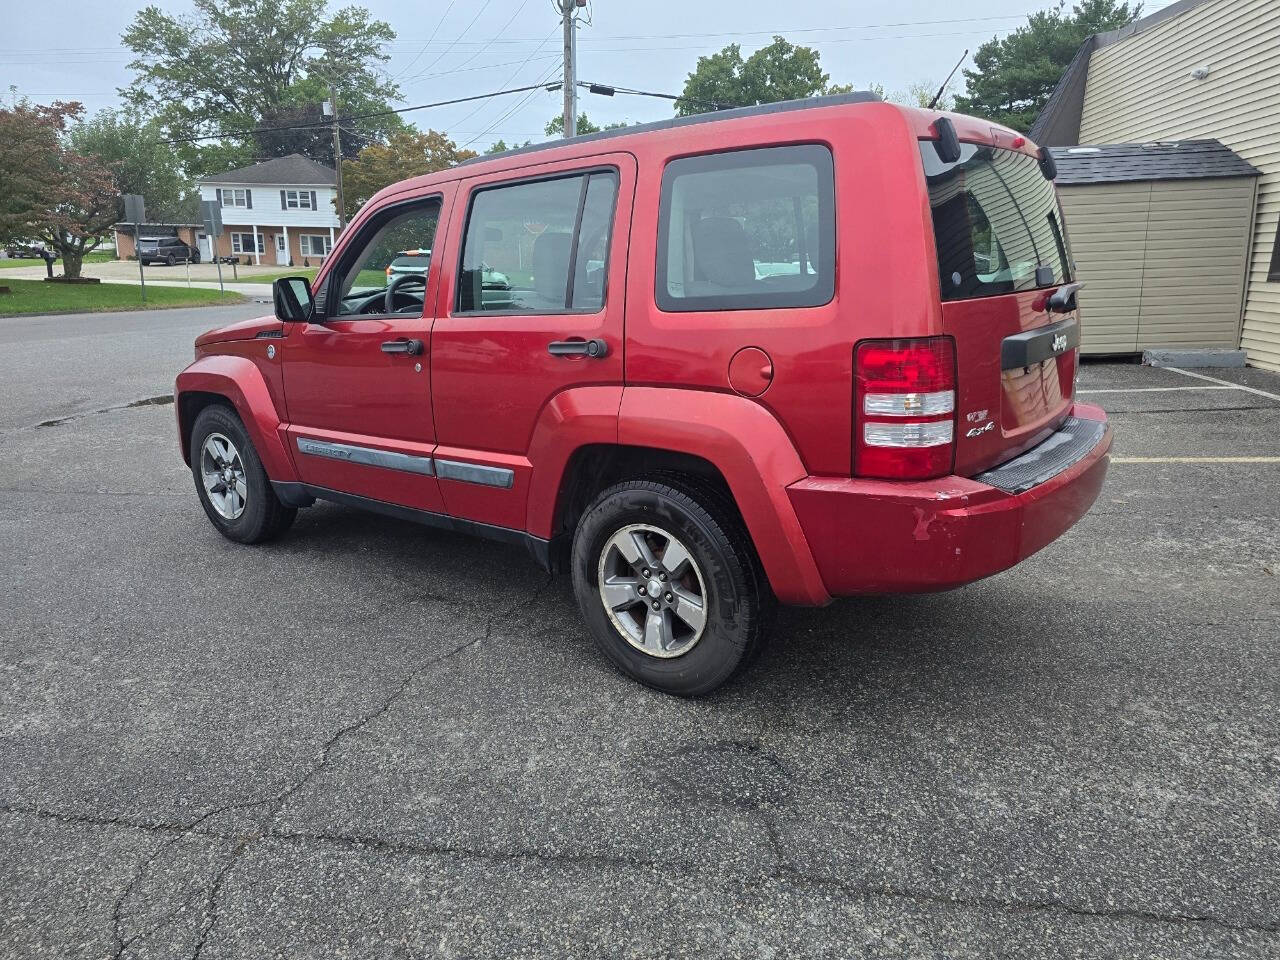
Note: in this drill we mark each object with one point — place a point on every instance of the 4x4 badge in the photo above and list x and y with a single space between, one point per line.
1059 342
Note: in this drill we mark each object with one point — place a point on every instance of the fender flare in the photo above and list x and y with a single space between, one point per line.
239 380
740 437
572 419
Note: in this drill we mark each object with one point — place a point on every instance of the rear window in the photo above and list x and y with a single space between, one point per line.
996 223
420 262
747 229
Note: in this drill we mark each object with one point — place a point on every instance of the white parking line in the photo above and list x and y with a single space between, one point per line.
1195 459
1225 383
1152 389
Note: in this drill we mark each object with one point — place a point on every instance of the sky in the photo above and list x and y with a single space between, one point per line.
71 50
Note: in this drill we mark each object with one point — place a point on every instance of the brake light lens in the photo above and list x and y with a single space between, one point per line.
905 392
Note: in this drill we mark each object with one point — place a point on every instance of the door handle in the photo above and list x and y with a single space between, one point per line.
413 347
578 348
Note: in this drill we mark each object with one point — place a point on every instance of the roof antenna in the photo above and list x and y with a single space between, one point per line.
938 96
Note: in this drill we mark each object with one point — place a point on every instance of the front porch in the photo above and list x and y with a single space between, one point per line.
273 245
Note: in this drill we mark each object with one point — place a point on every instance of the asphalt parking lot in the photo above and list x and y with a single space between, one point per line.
377 740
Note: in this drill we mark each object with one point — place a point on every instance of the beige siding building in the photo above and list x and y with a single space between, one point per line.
1196 70
1160 236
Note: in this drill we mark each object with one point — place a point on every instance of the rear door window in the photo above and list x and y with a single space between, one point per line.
996 223
538 246
747 229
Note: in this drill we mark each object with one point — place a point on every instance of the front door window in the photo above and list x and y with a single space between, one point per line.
385 270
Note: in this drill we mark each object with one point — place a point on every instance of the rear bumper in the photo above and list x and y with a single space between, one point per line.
877 536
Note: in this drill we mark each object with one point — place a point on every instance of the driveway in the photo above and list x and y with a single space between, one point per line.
377 740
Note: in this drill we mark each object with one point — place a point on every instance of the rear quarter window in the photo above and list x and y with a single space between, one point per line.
747 229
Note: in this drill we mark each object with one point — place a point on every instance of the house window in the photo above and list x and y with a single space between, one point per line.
315 245
243 243
297 199
235 198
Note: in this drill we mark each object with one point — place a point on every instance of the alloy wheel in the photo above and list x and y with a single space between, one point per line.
222 473
653 590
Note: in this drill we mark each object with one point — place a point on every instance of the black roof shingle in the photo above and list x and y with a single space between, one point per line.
1131 162
294 168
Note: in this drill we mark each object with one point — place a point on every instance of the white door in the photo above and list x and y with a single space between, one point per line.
206 248
282 252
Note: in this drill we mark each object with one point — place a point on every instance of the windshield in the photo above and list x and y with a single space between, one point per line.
996 223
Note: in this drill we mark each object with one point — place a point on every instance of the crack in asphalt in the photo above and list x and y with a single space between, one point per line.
785 872
321 763
160 400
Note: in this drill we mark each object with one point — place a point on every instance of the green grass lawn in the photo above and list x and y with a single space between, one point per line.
98 256
36 296
308 272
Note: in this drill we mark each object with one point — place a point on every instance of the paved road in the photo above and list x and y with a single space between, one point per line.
376 740
62 366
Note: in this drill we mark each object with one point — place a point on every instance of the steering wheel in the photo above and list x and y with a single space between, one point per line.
397 282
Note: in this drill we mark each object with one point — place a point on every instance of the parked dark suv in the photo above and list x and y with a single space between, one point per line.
166 250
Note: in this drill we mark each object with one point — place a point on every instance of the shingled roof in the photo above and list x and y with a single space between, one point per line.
1166 160
294 168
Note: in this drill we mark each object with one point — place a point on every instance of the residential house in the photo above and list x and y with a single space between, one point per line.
1194 70
277 212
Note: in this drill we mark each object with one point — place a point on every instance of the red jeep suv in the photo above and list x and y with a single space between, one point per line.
783 353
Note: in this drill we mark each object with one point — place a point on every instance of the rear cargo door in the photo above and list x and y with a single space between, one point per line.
1002 251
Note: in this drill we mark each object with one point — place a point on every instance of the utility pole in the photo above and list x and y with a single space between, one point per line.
570 115
337 157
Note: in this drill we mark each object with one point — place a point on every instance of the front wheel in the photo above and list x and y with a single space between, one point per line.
169 261
667 581
233 487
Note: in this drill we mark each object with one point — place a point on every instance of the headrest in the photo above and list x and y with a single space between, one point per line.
551 265
721 252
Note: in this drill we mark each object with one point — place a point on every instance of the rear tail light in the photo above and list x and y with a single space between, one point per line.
905 392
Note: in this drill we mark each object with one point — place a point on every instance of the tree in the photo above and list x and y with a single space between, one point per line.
132 149
582 126
780 71
1013 77
48 189
243 64
408 153
500 146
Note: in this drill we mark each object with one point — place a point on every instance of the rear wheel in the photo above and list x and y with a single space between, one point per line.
668 584
169 261
233 487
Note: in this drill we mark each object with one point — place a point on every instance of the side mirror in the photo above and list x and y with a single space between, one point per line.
293 300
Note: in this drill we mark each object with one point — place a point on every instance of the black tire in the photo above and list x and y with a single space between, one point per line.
738 600
146 263
264 517
195 256
169 261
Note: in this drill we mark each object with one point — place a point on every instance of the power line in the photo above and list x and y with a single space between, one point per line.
785 31
516 71
504 117
491 40
608 90
359 116
446 50
439 23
